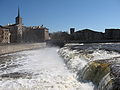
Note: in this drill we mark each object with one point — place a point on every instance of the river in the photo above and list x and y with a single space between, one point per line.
41 69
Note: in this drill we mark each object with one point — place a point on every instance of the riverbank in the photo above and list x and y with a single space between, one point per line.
10 48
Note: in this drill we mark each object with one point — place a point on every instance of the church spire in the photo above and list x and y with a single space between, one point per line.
18 18
18 12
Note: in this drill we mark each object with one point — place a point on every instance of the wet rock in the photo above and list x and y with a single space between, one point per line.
15 75
95 72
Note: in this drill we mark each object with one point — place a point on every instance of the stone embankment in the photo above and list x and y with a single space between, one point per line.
96 63
10 48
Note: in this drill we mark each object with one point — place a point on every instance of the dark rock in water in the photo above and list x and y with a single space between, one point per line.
57 43
15 75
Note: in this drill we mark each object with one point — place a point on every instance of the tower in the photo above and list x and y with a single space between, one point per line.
72 30
18 19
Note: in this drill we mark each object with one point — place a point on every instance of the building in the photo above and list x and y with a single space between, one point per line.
4 35
112 34
21 33
35 34
87 35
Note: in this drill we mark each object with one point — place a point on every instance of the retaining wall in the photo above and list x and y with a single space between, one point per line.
9 48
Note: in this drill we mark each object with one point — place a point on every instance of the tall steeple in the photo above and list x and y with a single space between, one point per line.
18 12
18 19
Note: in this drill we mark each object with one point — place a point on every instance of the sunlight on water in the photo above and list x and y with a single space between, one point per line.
39 69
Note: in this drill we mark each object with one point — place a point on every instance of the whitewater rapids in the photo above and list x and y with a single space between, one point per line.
40 69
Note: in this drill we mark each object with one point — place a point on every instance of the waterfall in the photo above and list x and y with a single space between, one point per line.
90 62
73 67
40 69
105 83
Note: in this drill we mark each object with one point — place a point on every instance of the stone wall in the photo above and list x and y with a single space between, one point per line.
9 48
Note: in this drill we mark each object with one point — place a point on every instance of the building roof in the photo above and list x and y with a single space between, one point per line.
87 30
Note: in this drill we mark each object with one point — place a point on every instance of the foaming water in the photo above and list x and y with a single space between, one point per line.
39 69
78 57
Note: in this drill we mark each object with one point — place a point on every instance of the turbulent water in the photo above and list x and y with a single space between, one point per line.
41 69
78 57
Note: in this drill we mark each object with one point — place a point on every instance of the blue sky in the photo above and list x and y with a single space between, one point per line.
60 15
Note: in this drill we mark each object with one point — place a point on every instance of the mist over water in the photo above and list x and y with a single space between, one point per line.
40 69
